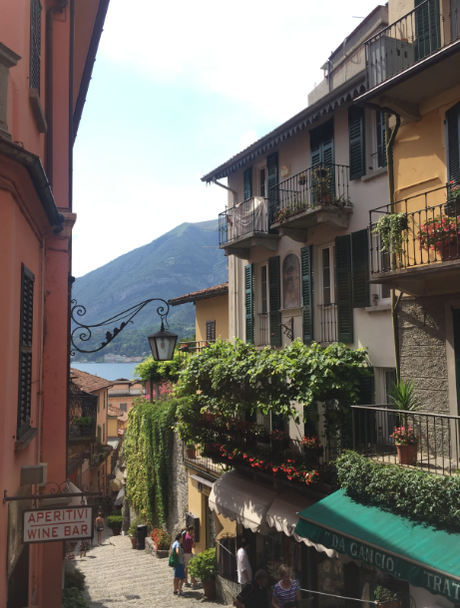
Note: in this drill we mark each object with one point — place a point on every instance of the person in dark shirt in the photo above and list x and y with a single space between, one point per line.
254 594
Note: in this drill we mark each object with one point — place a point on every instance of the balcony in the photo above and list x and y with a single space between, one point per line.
187 349
328 323
245 226
317 195
414 58
425 259
82 418
437 450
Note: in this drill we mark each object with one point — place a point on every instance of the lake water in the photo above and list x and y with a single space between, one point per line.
108 371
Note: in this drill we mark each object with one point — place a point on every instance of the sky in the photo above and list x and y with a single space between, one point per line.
177 89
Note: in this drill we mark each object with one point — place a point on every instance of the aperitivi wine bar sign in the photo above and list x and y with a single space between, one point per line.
53 524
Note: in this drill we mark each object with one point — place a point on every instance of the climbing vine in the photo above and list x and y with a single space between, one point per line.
148 449
227 380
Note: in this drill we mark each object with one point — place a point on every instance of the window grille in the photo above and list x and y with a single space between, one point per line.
210 331
25 351
35 44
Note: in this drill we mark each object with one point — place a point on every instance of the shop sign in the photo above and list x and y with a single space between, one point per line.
54 524
433 581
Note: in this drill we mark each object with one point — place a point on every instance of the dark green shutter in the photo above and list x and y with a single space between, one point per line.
248 183
427 28
322 149
272 185
356 134
453 143
274 290
25 351
360 266
344 289
307 293
249 301
381 139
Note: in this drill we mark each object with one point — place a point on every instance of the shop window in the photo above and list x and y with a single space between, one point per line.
291 281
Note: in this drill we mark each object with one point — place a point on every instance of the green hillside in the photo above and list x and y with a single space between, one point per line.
183 260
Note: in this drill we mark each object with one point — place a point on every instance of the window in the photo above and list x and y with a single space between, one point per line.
103 433
263 290
381 153
99 431
98 403
103 407
25 351
453 144
35 44
210 331
247 178
291 281
356 140
262 182
124 407
327 305
262 280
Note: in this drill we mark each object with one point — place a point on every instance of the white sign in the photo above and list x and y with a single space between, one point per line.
53 524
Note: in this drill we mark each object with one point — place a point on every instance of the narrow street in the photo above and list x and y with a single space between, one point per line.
118 576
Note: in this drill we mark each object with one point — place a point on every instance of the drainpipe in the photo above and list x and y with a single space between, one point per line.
57 8
390 139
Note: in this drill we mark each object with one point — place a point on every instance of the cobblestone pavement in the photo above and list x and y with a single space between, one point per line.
118 576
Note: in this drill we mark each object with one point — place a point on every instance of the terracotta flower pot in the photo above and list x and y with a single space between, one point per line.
450 251
134 541
209 588
190 453
116 531
407 454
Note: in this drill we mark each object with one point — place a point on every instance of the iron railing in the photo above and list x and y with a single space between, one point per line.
437 449
82 416
202 463
193 347
430 234
413 37
244 219
322 184
263 332
328 322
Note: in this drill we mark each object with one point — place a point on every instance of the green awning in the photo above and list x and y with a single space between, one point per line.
421 555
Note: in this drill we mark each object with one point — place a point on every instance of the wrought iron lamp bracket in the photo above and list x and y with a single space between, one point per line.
57 490
125 317
288 329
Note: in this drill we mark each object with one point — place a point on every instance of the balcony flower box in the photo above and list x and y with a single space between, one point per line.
440 234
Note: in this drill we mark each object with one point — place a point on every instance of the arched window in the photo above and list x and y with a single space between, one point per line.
291 281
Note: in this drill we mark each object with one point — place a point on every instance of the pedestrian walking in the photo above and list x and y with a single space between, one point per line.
242 563
287 590
99 524
179 570
188 545
254 594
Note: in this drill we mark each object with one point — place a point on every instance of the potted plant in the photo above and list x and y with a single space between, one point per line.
132 530
440 234
391 228
403 398
385 597
190 451
302 179
452 206
322 186
279 439
261 433
406 442
114 522
161 541
204 567
312 445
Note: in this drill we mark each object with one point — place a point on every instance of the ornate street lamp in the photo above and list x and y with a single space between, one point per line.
162 343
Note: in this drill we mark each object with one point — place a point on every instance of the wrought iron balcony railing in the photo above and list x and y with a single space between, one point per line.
437 448
193 347
430 26
247 218
430 232
323 185
263 329
328 321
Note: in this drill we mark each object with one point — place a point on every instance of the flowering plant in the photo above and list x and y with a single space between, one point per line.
453 190
183 347
404 435
438 232
278 435
161 538
311 441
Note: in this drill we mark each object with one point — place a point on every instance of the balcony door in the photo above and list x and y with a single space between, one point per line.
427 28
328 305
322 157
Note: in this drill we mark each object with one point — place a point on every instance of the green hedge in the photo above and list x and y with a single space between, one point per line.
417 495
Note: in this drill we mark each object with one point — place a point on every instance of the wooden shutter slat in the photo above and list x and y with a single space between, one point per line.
274 290
307 293
356 139
248 183
249 302
453 142
344 289
272 185
360 267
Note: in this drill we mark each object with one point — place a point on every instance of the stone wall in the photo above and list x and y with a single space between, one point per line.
422 342
179 506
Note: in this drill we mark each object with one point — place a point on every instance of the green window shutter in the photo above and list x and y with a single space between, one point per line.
356 134
307 293
322 148
381 140
453 143
427 28
272 185
274 290
360 265
367 389
344 289
248 183
25 351
249 301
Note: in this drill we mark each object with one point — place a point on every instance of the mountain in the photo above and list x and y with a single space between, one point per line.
183 260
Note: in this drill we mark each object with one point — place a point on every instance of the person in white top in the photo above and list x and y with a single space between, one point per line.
242 564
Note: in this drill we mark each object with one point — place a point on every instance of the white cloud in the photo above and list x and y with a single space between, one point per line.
267 55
